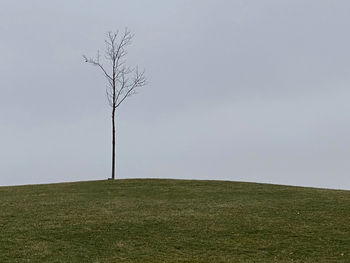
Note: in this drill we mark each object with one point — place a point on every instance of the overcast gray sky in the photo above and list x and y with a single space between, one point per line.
245 90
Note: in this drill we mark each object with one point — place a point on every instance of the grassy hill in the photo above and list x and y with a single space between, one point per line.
173 221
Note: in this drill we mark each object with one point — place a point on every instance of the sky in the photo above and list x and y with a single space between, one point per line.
240 90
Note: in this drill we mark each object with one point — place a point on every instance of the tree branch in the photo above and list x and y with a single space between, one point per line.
96 62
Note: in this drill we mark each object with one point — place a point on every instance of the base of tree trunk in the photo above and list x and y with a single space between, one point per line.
110 179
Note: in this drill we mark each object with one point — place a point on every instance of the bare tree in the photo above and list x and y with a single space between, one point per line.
122 81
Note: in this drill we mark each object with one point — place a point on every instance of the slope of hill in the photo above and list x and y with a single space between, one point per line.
173 221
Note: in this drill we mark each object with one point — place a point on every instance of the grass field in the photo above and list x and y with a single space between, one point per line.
173 221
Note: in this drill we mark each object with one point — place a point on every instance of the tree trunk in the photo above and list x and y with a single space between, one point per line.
113 144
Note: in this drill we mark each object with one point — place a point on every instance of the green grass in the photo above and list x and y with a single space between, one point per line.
173 221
